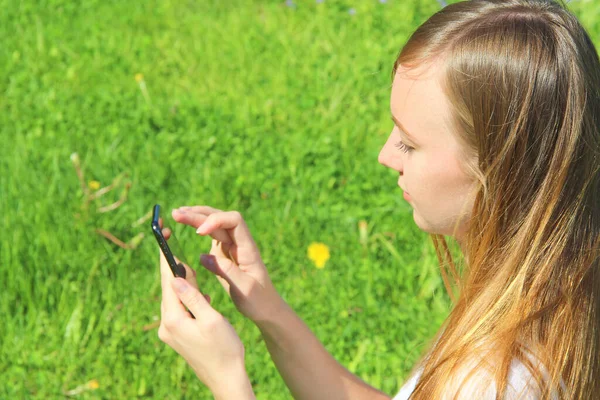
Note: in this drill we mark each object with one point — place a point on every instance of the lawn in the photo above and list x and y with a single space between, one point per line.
277 110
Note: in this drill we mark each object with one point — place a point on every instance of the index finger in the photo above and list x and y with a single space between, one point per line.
195 216
234 224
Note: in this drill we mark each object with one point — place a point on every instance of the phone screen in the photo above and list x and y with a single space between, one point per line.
177 268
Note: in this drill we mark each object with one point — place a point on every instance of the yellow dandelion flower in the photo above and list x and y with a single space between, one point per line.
319 254
93 384
94 185
139 77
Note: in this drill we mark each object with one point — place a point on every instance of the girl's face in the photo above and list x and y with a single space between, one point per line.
423 149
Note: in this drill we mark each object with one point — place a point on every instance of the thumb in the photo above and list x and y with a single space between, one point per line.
190 296
226 269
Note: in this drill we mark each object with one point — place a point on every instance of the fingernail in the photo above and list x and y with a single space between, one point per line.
180 285
179 210
199 229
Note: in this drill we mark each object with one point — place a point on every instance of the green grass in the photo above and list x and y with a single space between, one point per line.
254 106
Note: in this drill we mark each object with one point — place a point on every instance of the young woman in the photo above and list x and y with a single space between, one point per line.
496 139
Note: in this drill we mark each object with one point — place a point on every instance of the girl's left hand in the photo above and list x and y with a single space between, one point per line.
207 342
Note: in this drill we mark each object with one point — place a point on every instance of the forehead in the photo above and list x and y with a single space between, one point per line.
419 103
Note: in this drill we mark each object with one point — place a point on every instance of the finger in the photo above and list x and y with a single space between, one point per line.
223 251
187 214
217 272
212 261
200 209
191 297
170 301
190 218
195 219
238 231
209 261
228 273
166 233
190 274
225 285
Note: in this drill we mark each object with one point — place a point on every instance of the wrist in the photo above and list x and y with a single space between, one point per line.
236 386
276 313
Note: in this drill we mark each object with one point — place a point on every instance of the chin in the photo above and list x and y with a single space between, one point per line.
426 227
420 223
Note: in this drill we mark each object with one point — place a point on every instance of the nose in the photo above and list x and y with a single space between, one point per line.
391 157
382 157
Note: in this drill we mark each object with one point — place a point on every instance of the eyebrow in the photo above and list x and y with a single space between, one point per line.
411 137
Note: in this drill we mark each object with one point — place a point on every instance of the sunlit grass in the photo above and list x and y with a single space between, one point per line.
276 111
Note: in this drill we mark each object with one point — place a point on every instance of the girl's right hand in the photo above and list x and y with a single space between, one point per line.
235 260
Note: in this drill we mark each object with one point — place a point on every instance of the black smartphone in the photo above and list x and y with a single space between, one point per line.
178 269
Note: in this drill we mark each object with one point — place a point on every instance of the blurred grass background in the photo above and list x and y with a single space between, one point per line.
275 109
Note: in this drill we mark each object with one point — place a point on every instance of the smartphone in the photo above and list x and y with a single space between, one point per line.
178 269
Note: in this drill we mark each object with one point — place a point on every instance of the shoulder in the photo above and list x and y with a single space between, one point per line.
478 383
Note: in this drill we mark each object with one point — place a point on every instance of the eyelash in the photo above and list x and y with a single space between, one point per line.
404 147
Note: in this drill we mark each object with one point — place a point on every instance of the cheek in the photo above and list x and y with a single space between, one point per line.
417 172
433 177
445 184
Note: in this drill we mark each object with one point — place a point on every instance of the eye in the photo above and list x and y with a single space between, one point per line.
403 147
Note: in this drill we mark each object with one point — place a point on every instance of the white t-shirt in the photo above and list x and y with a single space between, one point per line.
521 385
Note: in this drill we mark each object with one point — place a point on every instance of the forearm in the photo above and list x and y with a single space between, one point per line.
308 370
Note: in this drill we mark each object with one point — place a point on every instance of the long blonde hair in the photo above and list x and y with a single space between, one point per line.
523 79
